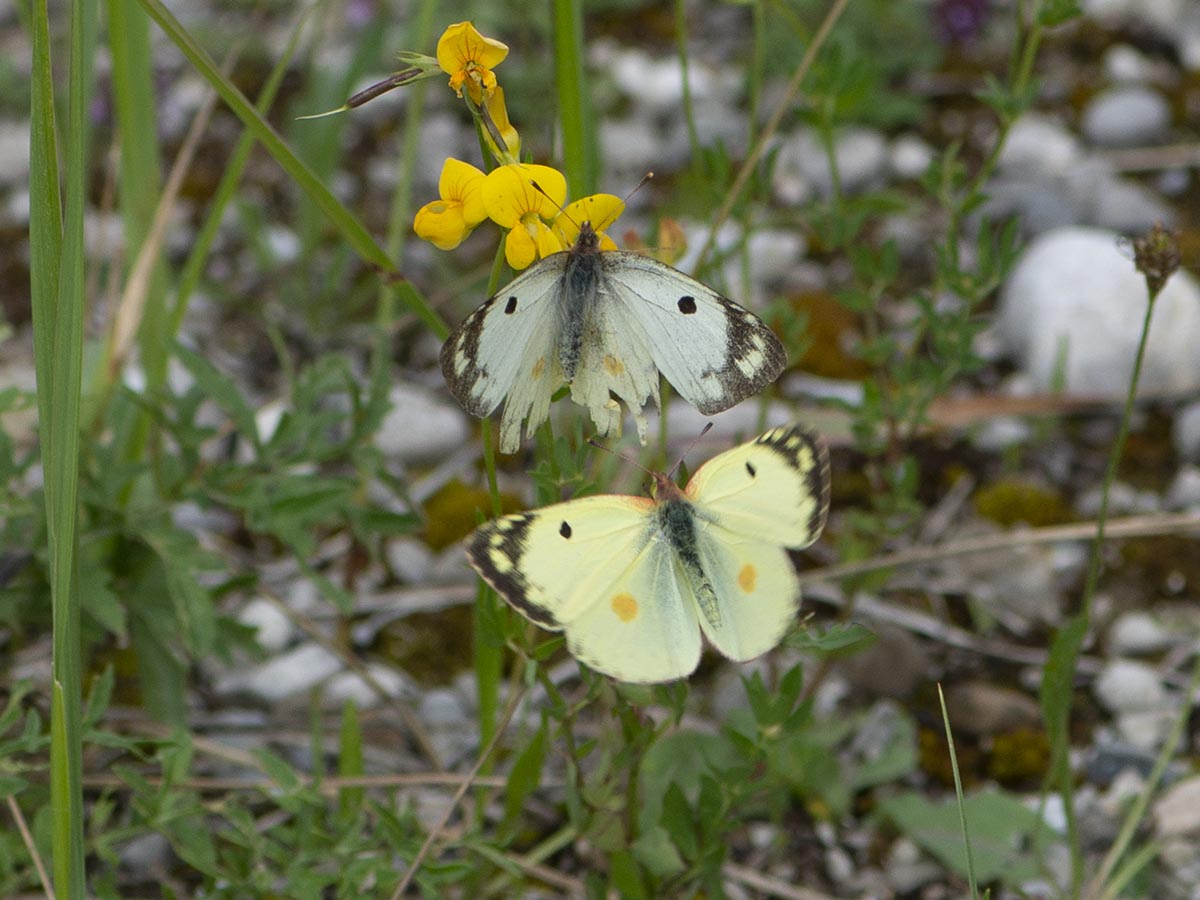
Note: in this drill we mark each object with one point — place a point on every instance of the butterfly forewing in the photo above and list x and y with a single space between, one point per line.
774 489
506 346
714 352
595 569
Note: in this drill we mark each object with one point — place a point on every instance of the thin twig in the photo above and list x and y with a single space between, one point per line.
329 785
1130 526
31 846
772 887
434 832
760 145
137 286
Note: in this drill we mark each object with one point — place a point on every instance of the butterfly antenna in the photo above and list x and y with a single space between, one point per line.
537 187
629 459
688 449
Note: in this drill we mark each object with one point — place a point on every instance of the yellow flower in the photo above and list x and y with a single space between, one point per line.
501 137
444 223
514 203
468 58
599 210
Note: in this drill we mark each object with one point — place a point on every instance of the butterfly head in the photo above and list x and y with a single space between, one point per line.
665 490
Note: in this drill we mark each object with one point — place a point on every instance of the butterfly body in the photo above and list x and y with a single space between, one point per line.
635 582
606 322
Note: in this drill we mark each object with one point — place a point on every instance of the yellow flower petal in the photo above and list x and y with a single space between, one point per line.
468 58
463 183
598 210
509 193
442 224
495 110
519 248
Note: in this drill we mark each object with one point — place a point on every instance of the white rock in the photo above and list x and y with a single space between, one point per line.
350 686
14 153
1177 811
1184 492
861 154
1124 64
409 558
1074 304
909 156
631 146
1040 145
1146 728
282 243
1126 116
1185 434
1126 686
1138 633
657 84
1120 204
419 426
442 708
274 629
284 676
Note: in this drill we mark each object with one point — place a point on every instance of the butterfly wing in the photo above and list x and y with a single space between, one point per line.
773 489
751 502
714 352
598 570
507 348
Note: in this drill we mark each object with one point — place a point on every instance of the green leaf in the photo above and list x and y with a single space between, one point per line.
1006 837
223 391
1058 690
680 759
655 851
626 877
840 637
525 776
680 822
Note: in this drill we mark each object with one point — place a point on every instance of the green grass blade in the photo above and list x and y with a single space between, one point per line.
57 306
972 881
342 218
193 268
574 106
140 173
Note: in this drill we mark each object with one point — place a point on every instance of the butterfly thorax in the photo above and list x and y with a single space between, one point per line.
580 285
677 525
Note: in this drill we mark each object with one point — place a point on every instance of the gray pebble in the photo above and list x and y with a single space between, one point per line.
1126 116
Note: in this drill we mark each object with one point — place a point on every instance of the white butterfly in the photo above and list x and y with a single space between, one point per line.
633 582
606 322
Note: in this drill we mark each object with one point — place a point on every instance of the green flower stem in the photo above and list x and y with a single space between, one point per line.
1065 787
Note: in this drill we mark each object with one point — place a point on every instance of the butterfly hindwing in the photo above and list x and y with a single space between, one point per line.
714 352
756 592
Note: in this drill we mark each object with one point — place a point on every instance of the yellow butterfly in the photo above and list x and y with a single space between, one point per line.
633 582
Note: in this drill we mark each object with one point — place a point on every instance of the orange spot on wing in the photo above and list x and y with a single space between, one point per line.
746 578
625 606
539 368
613 366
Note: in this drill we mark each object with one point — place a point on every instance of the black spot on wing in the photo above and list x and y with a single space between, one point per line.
459 359
496 550
805 452
511 306
687 305
754 357
753 472
565 530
